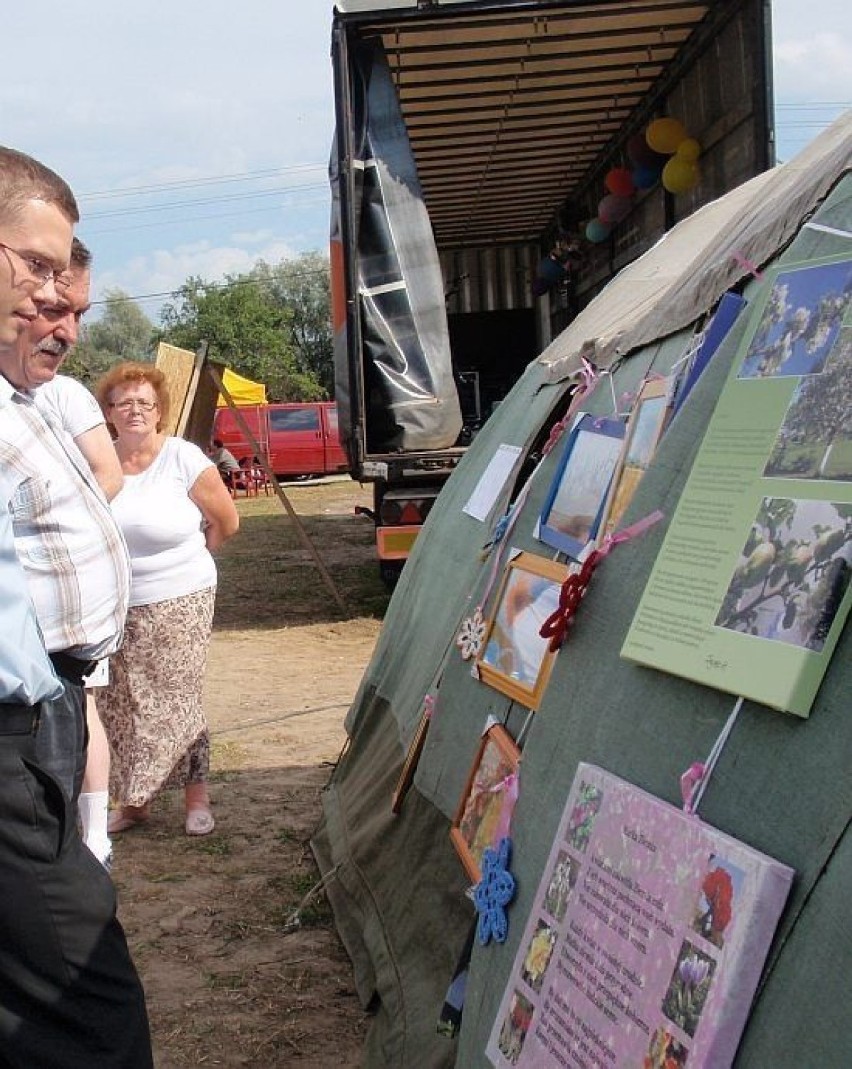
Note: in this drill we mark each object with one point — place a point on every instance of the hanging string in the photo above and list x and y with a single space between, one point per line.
694 781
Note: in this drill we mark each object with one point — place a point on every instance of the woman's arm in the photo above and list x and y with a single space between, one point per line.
211 496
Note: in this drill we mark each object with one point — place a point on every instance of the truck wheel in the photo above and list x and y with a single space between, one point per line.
390 571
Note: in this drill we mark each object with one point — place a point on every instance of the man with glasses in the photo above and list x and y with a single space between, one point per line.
69 994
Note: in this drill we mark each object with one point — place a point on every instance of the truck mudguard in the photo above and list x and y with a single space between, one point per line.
409 394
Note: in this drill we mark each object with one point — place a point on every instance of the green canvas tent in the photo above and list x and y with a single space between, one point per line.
782 784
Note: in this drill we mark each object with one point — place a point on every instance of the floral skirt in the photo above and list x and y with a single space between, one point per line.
151 710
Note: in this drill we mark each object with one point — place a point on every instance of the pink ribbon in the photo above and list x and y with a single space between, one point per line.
626 533
689 783
752 268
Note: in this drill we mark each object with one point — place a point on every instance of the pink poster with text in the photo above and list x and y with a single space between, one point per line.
646 940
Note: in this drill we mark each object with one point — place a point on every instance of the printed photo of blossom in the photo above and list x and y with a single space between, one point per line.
688 988
718 892
562 882
516 1025
582 820
538 955
664 1052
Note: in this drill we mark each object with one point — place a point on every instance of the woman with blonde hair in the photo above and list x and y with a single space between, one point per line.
174 512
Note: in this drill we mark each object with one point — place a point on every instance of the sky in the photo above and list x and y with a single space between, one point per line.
196 135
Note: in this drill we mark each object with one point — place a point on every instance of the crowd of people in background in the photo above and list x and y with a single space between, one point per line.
107 526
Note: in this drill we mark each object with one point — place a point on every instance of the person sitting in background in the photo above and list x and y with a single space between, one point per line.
174 511
223 458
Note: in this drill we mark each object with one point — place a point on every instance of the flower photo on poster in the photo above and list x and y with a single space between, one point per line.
800 322
792 573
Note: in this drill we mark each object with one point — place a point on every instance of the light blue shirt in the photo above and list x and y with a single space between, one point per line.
26 675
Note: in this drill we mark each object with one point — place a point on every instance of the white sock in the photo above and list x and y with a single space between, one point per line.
93 809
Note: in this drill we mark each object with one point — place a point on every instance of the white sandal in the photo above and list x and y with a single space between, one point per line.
199 822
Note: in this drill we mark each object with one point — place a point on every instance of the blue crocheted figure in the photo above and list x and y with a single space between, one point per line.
493 893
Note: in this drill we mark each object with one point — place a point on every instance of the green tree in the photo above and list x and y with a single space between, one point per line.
266 324
123 332
303 286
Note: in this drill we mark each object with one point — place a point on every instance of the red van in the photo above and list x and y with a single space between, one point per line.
297 438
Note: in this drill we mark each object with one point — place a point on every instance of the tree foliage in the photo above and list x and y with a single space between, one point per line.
123 332
270 324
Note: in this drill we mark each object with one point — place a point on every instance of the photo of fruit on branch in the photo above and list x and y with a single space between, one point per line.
792 574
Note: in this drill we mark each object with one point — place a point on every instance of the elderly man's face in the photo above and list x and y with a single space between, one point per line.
45 342
38 235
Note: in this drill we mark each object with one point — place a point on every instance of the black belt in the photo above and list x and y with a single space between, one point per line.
71 668
16 719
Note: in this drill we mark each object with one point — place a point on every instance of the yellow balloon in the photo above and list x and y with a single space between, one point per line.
680 175
689 149
664 135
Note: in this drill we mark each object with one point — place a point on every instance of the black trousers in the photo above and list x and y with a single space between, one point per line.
63 736
69 992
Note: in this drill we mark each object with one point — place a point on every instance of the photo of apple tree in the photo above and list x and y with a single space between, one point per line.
815 439
800 323
792 574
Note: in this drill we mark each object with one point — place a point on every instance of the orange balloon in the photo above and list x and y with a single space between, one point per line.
664 135
680 175
689 149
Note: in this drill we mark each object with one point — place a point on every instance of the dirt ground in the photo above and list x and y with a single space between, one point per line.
234 942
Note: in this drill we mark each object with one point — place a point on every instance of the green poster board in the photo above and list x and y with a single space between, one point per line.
751 588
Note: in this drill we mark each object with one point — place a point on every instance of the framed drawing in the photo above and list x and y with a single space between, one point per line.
485 809
514 658
644 429
572 512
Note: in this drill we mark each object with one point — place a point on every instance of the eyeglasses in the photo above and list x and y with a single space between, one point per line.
39 270
129 405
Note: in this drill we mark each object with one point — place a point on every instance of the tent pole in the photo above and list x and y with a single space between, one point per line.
282 497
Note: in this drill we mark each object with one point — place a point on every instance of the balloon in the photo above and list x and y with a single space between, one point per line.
639 151
550 271
620 182
644 177
613 209
664 135
689 149
680 175
597 230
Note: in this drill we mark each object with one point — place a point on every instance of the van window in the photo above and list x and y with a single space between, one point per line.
294 419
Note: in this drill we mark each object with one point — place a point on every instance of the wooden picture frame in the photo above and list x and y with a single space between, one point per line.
514 658
409 765
488 799
571 515
648 419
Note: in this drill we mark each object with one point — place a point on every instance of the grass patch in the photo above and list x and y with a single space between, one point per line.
268 577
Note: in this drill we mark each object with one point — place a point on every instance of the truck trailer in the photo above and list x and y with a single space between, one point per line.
476 146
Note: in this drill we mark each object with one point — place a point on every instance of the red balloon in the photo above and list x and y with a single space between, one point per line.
612 209
620 182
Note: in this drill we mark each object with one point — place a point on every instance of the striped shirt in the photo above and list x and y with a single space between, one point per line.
69 545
